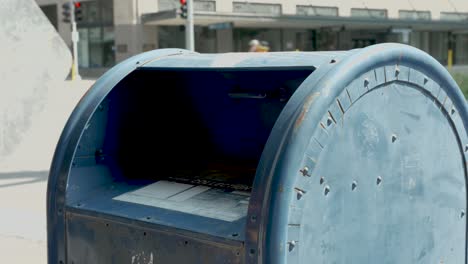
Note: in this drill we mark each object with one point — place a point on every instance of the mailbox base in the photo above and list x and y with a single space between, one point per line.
117 241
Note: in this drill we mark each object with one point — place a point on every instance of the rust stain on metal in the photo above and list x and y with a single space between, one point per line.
305 109
323 126
280 188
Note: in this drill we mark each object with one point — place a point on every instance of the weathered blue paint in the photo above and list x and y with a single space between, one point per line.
360 157
63 157
288 151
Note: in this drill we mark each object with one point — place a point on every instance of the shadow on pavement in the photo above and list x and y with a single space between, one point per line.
8 179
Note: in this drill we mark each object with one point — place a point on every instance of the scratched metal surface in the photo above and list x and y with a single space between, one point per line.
368 166
68 143
375 194
96 241
363 161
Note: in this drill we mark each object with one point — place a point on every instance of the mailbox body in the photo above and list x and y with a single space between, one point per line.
331 157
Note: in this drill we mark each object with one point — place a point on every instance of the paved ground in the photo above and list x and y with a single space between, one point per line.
23 217
23 179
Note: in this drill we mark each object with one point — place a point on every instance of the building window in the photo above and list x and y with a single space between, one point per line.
316 10
257 8
171 37
167 5
198 5
270 37
461 49
453 16
205 40
414 15
205 6
97 13
369 13
96 46
359 43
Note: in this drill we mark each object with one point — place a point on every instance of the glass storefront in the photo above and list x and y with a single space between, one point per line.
242 37
438 46
171 37
461 49
174 37
276 38
96 45
435 43
289 39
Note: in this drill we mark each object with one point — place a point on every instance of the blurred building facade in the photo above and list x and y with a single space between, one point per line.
112 30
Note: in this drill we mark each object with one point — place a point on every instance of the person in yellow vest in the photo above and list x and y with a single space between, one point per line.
263 47
257 46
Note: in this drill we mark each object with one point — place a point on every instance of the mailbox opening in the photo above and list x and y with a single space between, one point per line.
165 135
203 125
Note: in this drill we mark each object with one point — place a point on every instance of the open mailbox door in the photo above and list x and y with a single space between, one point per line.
329 157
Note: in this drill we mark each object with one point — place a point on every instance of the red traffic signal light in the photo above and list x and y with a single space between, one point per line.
183 8
78 11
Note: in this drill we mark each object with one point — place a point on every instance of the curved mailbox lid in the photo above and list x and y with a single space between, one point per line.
366 163
246 60
67 144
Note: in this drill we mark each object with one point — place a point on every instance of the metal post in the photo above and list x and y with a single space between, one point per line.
450 59
451 45
75 75
189 27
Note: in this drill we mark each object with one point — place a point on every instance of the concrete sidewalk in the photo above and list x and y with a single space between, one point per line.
23 178
23 218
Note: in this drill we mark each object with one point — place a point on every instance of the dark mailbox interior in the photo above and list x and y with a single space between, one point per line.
193 126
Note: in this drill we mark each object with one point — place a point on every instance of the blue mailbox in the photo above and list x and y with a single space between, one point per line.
292 157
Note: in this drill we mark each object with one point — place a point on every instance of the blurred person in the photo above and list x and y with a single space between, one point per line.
258 46
254 45
264 46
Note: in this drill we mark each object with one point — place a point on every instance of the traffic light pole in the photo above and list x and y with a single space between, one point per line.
189 27
75 75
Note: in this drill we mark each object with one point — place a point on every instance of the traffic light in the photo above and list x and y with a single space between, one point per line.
78 11
66 12
68 8
183 9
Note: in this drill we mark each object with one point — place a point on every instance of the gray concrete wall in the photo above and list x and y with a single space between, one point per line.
131 37
33 56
